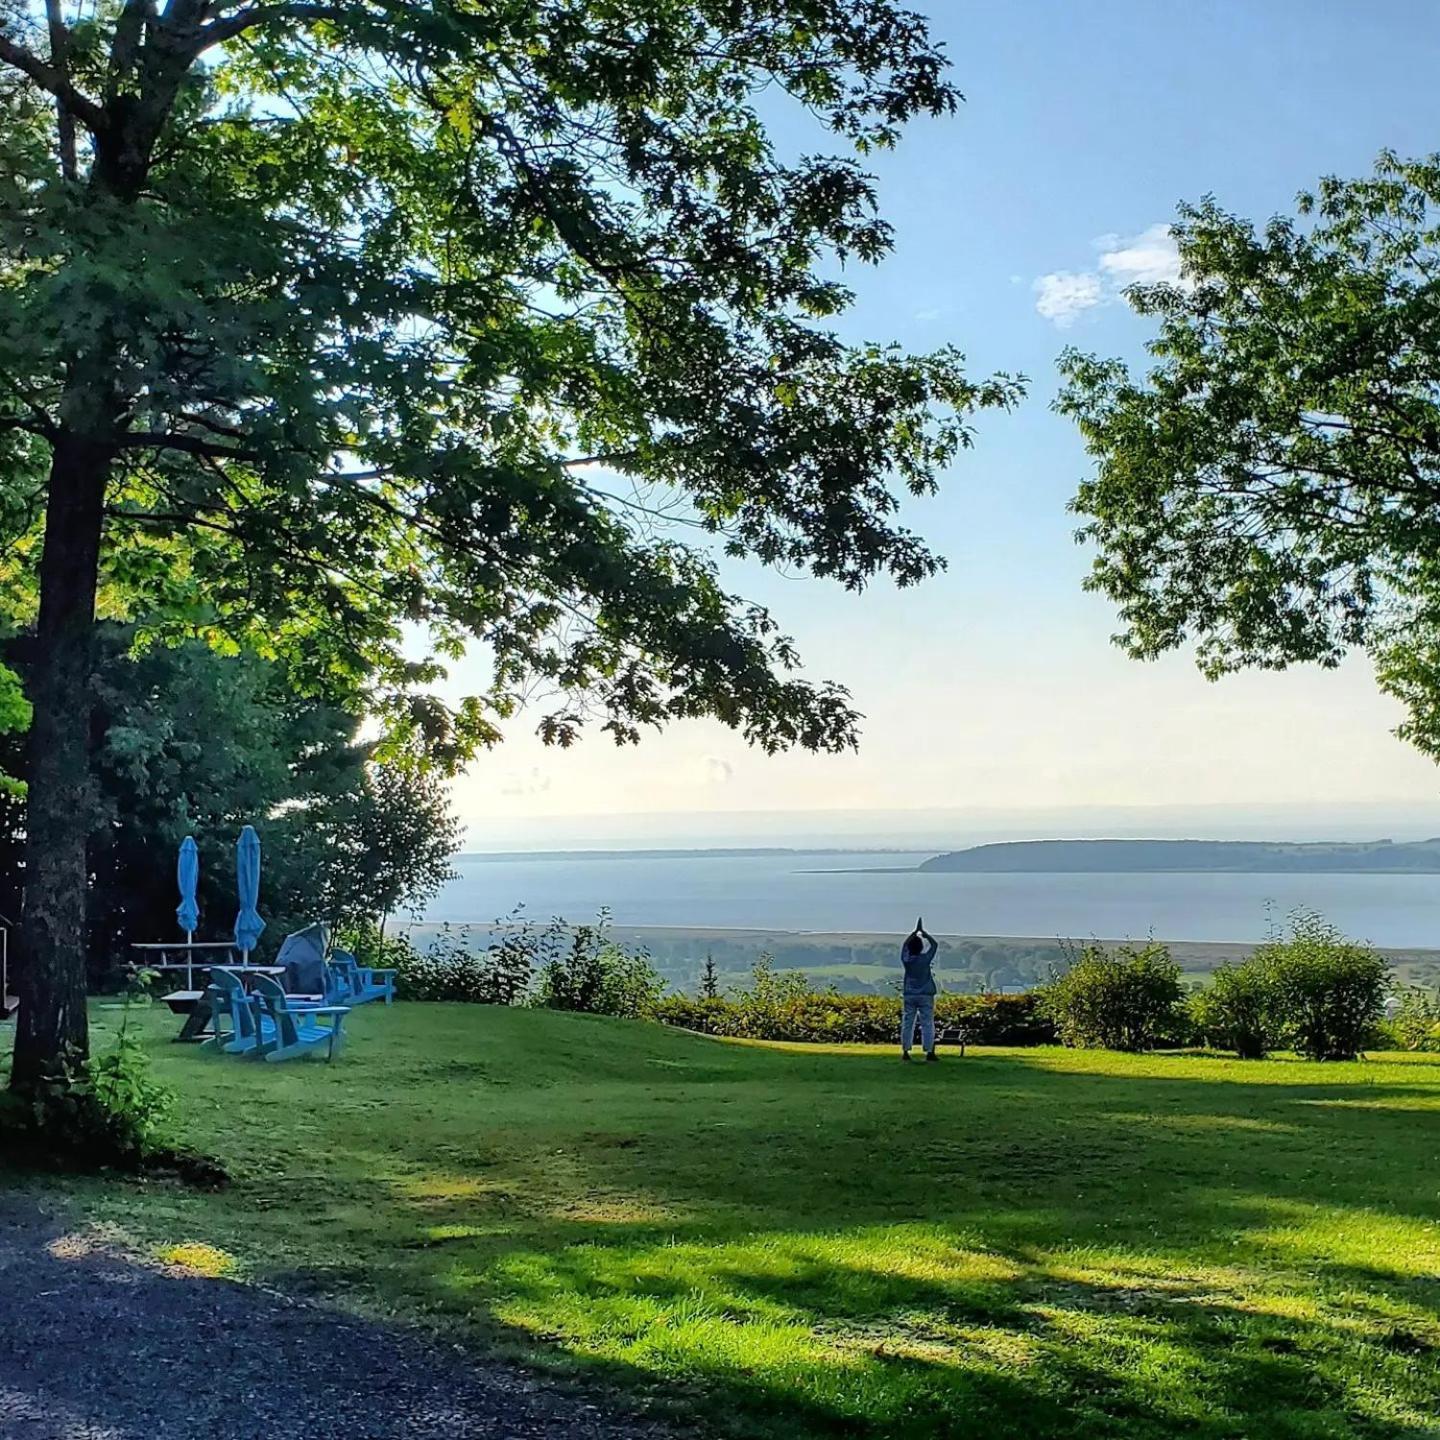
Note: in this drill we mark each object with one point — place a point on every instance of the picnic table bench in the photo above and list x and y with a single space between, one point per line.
191 1002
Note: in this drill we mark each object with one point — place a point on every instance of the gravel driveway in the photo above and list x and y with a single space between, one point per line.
96 1345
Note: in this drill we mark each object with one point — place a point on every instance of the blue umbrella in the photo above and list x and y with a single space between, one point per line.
248 923
187 872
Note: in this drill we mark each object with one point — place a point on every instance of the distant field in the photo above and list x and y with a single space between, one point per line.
866 962
794 1243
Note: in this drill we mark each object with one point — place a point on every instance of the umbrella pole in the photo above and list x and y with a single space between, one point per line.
189 959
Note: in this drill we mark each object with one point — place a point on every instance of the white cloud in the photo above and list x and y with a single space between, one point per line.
717 771
1149 258
533 781
1065 294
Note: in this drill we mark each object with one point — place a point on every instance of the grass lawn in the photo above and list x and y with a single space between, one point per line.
799 1242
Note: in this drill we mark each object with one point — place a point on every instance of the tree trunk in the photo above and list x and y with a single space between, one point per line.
51 1041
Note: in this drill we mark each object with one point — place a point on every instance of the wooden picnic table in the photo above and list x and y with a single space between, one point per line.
190 1002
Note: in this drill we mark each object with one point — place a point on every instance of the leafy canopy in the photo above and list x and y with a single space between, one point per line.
1271 487
427 322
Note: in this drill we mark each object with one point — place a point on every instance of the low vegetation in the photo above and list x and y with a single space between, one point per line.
1125 998
830 1018
809 1241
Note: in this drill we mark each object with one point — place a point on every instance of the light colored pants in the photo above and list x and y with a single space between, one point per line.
921 1008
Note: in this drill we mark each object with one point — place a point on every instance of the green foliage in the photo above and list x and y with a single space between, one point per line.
360 337
1328 991
373 948
1118 999
763 1004
709 979
192 742
584 969
382 845
107 1111
1416 1023
1239 1010
825 1017
1271 489
14 719
137 1106
450 969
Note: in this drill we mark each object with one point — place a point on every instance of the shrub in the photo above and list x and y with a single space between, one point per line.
112 1113
586 970
1416 1024
373 948
1329 992
1120 999
452 968
827 1017
760 1008
1238 1011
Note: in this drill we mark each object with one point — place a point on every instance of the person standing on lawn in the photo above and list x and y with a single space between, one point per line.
918 993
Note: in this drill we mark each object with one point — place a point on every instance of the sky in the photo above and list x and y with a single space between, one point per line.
994 699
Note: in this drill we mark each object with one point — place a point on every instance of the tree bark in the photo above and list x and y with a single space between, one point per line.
51 1041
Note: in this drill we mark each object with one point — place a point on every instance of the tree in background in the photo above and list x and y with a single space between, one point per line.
1271 488
709 979
325 325
383 846
199 743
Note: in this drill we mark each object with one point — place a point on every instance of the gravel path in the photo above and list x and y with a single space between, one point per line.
96 1345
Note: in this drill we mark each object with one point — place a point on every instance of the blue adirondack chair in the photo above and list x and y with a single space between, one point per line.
297 1029
249 1027
365 983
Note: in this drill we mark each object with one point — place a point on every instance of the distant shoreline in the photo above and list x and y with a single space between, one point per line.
1182 949
757 852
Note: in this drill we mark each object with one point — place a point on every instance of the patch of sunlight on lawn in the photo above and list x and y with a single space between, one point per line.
1205 1122
196 1258
1367 1239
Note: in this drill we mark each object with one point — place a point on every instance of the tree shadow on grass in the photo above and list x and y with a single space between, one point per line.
97 1343
997 1247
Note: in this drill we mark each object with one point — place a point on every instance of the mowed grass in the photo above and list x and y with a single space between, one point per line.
811 1241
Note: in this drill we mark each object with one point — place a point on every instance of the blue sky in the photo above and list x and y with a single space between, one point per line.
995 688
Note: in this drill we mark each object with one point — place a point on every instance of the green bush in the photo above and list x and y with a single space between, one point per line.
1416 1024
805 1016
587 971
112 1111
1120 999
1329 992
452 968
373 948
1238 1011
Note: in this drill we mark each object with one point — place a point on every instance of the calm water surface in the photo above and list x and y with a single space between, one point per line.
813 892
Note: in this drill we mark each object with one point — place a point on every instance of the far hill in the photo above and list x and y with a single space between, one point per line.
1198 856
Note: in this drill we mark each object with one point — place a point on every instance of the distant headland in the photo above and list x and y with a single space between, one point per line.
1073 857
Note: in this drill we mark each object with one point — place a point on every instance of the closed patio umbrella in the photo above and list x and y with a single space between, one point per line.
187 873
248 923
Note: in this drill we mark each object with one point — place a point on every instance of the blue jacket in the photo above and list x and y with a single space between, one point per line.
919 977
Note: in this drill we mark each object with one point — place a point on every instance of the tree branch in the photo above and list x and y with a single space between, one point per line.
227 27
53 82
187 444
64 120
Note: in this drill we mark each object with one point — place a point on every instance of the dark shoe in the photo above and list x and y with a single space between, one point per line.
931 1057
905 1056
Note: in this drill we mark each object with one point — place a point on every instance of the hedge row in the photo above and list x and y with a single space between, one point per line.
859 1019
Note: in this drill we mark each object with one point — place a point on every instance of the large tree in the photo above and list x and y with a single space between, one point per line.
327 324
1270 489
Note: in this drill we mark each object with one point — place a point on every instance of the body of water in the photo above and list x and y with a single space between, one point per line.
822 892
